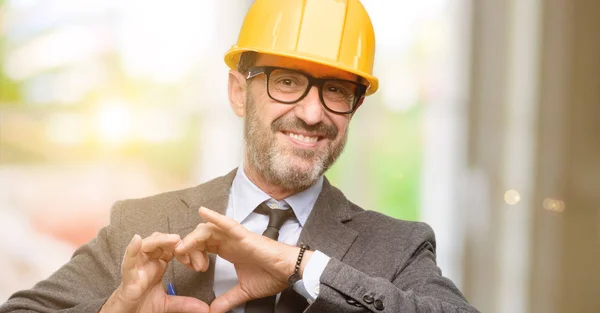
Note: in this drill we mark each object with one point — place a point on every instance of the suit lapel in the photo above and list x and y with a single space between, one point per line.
213 195
325 230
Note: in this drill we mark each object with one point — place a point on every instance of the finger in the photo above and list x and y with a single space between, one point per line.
229 300
199 260
223 222
160 246
184 259
128 268
181 304
214 249
205 234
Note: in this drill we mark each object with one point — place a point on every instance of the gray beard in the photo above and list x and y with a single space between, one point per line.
271 161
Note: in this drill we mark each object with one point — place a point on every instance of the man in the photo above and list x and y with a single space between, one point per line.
299 71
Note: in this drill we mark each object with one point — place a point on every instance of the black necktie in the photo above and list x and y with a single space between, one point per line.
276 219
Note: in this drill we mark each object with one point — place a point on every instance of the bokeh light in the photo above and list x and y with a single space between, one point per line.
512 197
115 122
554 205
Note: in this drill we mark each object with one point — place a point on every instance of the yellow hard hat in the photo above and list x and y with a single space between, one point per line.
336 33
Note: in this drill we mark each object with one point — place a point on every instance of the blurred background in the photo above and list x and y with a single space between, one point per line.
486 126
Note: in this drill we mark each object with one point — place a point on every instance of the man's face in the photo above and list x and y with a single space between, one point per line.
292 145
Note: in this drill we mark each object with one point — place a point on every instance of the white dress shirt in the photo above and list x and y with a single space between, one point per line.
244 197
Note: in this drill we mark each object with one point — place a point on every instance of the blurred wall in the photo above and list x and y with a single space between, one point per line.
534 137
577 287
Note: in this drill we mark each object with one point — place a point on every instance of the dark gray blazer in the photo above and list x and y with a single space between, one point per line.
378 264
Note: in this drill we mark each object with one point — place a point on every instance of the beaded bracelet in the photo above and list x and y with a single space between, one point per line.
295 276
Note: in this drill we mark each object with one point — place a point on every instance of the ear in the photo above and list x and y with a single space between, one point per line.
237 92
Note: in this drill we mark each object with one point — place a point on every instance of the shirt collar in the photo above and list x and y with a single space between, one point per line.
246 196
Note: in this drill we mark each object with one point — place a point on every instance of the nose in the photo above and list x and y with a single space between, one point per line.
310 109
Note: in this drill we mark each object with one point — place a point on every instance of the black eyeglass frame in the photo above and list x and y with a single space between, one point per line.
359 92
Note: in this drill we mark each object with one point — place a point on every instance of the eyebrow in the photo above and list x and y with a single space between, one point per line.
355 78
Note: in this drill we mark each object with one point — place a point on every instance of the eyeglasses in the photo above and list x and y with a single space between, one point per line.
289 86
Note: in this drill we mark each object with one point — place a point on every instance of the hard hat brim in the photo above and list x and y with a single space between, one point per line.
232 58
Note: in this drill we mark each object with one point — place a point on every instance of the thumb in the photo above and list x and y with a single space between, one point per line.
229 300
182 304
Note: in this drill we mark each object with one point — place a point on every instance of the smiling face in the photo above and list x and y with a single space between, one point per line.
288 146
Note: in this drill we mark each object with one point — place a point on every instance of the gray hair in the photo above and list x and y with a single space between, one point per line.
247 60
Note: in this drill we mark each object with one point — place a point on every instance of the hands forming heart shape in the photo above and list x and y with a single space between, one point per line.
262 265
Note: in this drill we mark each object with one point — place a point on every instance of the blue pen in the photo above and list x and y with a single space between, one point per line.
171 289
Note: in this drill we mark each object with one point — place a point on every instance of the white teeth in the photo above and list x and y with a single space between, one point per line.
303 138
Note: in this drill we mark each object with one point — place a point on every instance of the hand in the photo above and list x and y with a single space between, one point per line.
262 265
141 290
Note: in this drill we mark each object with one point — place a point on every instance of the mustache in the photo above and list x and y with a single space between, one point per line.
290 123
